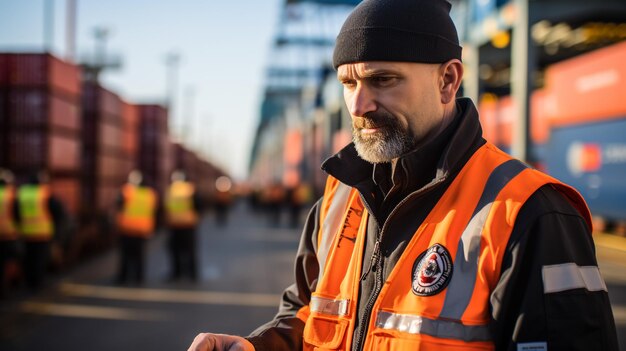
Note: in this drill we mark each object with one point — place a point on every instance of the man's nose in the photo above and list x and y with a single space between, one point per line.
362 101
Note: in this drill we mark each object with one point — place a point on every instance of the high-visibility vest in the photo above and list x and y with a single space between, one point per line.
35 219
179 205
8 228
137 215
437 296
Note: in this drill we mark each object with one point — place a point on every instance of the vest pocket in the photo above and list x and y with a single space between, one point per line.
398 341
324 333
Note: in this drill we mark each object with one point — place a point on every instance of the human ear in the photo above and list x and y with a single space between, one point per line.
451 74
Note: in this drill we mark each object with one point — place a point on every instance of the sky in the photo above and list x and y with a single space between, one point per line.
224 47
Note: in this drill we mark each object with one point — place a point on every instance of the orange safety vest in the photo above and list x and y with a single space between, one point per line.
437 296
137 216
179 205
8 228
35 220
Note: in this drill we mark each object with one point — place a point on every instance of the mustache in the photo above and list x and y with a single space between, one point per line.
373 120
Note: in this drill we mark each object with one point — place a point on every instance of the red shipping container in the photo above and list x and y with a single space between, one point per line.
541 103
130 138
40 70
4 70
106 194
104 104
590 87
35 107
35 149
67 190
109 137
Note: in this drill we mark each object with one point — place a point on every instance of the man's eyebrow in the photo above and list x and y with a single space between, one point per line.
373 73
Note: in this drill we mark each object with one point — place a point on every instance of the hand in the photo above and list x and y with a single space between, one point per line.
220 342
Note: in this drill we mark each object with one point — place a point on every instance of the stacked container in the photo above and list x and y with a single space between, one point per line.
156 154
587 146
104 163
40 121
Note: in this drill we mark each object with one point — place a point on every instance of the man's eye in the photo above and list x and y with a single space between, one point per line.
348 83
383 80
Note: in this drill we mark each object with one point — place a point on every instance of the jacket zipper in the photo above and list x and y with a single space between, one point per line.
376 265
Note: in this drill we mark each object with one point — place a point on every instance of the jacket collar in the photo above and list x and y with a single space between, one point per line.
419 167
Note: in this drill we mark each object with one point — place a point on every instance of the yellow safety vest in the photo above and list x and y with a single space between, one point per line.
8 228
137 216
35 219
437 296
179 205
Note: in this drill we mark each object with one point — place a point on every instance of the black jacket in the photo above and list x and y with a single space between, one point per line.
548 231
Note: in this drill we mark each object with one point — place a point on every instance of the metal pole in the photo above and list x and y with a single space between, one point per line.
70 31
48 28
521 80
471 85
172 61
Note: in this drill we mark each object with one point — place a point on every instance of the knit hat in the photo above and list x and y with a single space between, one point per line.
398 30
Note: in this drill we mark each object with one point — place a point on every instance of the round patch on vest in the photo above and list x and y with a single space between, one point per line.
432 271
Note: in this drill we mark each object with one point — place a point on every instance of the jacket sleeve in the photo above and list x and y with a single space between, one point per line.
284 332
550 236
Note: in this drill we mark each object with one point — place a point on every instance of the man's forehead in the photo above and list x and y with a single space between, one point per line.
367 68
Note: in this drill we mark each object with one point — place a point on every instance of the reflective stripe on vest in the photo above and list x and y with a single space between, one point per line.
179 205
137 216
35 220
473 221
8 228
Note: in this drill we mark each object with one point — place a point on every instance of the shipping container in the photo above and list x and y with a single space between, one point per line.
40 108
36 149
102 102
40 70
592 158
130 121
589 88
67 190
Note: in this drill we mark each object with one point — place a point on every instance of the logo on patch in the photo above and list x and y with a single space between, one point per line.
432 271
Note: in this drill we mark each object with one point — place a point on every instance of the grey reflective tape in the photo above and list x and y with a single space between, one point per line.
414 324
569 276
461 286
331 224
329 306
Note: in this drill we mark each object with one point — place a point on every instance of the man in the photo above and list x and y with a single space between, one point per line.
8 231
428 237
40 216
182 207
136 207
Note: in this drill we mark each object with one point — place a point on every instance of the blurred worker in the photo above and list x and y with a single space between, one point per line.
40 217
9 265
136 205
299 197
428 237
223 199
182 207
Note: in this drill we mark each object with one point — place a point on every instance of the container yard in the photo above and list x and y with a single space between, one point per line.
107 89
88 139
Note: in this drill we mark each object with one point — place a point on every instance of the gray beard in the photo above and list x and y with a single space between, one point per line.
391 143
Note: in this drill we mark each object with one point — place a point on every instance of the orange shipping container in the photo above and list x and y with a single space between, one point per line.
590 87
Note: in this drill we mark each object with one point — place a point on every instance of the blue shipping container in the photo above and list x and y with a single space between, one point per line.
592 158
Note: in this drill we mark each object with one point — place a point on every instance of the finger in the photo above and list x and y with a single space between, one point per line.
203 342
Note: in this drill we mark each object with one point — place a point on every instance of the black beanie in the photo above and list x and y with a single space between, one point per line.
398 30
